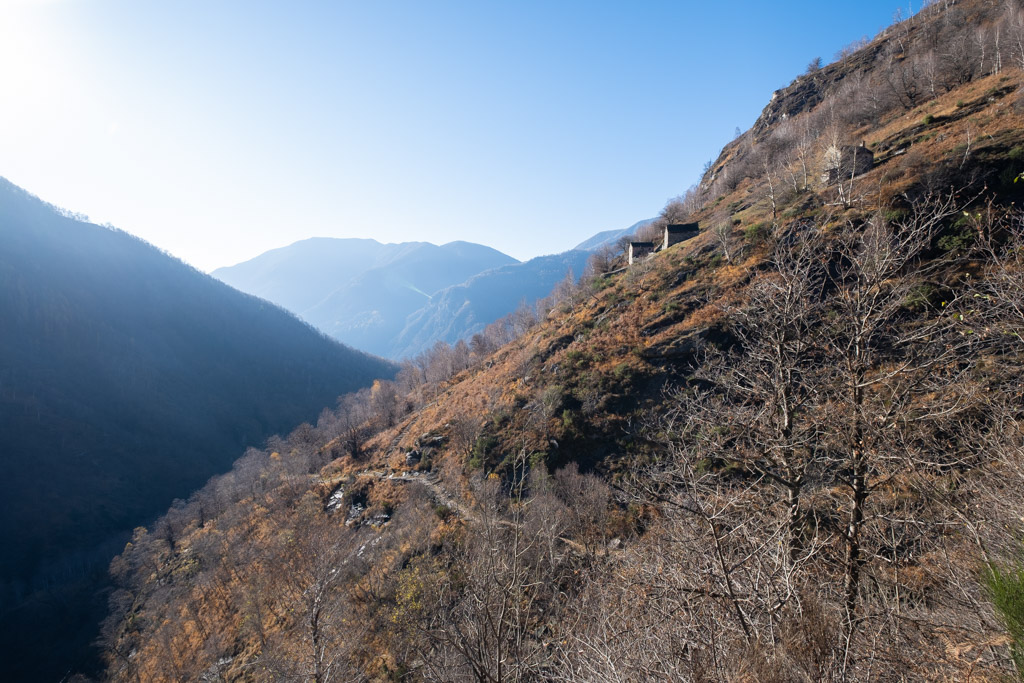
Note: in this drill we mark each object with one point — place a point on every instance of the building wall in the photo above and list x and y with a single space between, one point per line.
674 234
638 250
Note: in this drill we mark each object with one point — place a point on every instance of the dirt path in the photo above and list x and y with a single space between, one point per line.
439 496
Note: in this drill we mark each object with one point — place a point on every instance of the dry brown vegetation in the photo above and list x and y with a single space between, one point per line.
786 450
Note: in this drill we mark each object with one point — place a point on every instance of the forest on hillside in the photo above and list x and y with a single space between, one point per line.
127 379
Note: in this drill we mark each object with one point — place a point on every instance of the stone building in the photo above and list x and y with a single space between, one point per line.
679 232
639 250
845 161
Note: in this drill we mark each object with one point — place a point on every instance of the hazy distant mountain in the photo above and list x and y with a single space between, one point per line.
127 378
360 291
459 312
397 300
610 236
301 275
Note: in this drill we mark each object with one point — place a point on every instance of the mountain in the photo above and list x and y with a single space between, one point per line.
398 300
360 291
610 237
787 449
301 275
127 379
465 309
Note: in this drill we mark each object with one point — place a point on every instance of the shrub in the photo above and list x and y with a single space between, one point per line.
920 296
1005 588
622 371
956 241
756 233
551 398
894 215
577 357
928 119
481 451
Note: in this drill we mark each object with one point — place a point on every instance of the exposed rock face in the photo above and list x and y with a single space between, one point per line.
808 90
801 95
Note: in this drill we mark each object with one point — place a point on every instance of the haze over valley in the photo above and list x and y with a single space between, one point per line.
398 300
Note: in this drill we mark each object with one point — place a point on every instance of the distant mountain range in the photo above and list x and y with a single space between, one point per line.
610 237
359 291
460 311
397 300
127 378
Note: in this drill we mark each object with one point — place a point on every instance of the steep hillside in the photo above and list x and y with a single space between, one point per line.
788 449
126 379
466 309
360 291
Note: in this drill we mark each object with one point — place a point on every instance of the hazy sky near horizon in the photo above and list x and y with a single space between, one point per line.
219 129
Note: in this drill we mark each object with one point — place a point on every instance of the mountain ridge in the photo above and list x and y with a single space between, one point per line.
610 237
360 291
399 327
460 311
128 378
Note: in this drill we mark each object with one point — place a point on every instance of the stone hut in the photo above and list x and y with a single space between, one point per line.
639 250
679 232
846 161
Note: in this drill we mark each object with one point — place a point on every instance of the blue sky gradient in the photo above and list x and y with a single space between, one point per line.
220 129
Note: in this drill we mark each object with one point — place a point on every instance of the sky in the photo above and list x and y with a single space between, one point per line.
219 129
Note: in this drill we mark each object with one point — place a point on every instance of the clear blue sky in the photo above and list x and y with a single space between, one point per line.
218 129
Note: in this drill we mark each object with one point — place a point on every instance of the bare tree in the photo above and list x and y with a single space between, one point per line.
567 292
877 364
464 432
602 261
384 402
801 135
317 558
476 621
903 77
758 413
724 238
